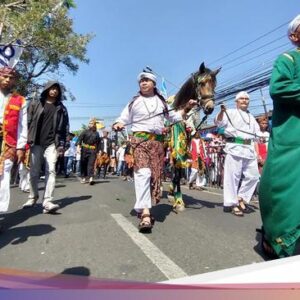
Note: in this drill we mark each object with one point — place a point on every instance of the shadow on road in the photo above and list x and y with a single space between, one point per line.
70 278
20 235
82 271
19 216
191 202
68 201
161 211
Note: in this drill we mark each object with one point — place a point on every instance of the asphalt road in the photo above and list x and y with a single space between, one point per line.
95 234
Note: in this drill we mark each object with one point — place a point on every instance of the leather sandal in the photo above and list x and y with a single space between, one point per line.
146 226
246 209
237 211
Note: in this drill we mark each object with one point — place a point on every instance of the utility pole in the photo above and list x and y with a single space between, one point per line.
264 102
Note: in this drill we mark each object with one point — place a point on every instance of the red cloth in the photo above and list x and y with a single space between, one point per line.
262 150
11 119
194 150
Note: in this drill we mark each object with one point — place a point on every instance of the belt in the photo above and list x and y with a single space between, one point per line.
148 136
92 147
238 140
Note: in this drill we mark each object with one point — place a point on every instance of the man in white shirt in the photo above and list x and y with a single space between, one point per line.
241 130
146 113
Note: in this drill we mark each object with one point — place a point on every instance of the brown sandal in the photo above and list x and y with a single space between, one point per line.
146 226
237 211
244 207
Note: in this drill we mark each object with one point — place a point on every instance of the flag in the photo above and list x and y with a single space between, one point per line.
10 54
163 88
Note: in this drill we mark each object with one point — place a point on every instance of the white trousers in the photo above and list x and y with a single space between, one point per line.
24 177
37 156
142 179
200 180
5 186
234 168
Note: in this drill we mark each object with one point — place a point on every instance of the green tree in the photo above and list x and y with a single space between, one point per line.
46 32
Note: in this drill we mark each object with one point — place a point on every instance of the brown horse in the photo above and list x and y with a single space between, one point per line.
102 160
200 86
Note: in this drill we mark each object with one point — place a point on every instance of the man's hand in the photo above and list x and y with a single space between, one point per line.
223 107
118 126
20 155
189 105
221 113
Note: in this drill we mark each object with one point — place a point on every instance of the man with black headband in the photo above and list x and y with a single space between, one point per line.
48 126
279 191
145 113
13 119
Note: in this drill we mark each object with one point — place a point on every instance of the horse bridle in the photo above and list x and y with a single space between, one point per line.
202 100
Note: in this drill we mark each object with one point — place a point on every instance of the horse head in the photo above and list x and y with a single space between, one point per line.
204 85
200 86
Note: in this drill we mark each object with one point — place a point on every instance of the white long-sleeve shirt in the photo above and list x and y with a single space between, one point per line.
243 121
141 113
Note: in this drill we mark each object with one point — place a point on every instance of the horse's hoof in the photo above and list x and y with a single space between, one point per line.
179 208
171 199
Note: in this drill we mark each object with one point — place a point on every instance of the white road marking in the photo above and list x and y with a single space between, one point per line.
158 258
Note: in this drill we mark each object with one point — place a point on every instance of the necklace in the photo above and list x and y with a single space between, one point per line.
248 123
148 108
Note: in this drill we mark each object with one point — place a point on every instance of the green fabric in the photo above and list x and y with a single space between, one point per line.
179 144
149 136
279 193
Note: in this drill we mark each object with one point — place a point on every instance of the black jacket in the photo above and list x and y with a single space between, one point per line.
60 119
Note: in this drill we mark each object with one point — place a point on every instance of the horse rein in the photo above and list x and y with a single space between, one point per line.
240 130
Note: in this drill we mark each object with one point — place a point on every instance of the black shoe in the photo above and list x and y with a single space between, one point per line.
227 209
265 246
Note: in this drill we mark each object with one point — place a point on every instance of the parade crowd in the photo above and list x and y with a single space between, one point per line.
163 145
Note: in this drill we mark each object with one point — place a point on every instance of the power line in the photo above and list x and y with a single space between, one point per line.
249 43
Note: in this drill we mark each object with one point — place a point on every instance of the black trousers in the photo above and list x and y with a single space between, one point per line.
87 161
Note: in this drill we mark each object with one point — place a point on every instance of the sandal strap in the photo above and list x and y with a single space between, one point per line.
145 216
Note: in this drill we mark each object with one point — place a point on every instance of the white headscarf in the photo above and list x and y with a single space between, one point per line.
294 24
146 75
242 95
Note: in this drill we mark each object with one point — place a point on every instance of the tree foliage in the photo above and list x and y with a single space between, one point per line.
46 33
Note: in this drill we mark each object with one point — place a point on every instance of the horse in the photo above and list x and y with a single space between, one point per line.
199 86
102 160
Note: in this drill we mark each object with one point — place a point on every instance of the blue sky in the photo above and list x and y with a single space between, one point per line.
173 38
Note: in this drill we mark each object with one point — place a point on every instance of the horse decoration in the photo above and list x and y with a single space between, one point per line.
200 86
102 161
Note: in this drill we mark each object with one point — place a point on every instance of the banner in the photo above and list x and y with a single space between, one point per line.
10 54
163 88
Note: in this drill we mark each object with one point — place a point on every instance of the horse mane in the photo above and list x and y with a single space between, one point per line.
186 92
